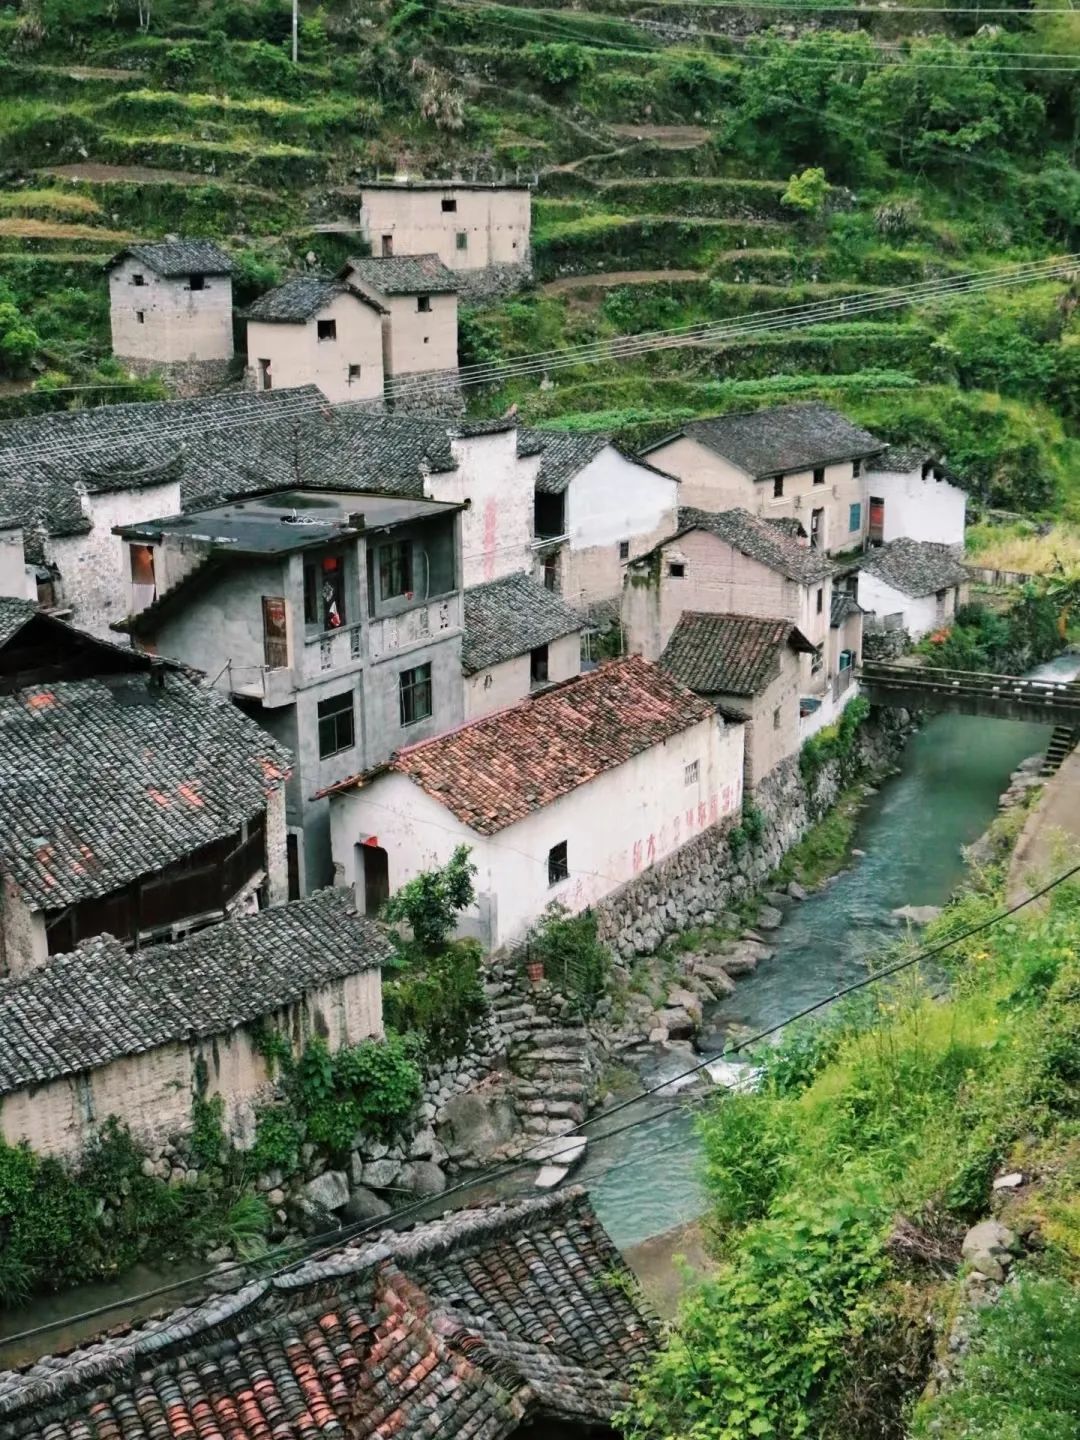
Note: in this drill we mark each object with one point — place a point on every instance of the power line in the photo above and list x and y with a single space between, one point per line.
572 1139
789 6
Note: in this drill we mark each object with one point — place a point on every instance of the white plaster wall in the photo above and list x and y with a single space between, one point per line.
497 527
298 357
179 324
615 826
766 742
920 615
496 222
15 579
612 499
421 340
505 684
95 568
920 509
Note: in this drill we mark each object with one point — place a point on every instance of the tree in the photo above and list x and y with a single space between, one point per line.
807 192
430 904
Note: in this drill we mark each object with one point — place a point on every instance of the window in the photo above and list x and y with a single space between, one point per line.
778 487
820 599
817 527
387 245
326 329
416 694
142 565
776 718
676 569
538 665
856 469
817 660
551 572
548 516
138 279
275 632
855 517
140 317
423 304
336 729
558 864
927 468
691 772
939 596
819 475
624 549
196 282
324 592
846 660
395 570
354 373
264 375
449 207
462 240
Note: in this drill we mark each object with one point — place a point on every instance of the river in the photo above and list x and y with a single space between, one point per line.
647 1180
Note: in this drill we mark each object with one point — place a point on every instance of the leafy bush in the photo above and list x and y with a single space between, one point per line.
807 192
834 742
574 960
429 904
438 998
558 64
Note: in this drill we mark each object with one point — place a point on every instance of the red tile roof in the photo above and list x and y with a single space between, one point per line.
499 769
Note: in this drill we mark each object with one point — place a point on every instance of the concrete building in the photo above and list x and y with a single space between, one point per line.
519 637
171 310
596 509
179 1021
418 298
748 667
801 462
335 617
313 330
135 800
911 585
480 230
562 798
910 494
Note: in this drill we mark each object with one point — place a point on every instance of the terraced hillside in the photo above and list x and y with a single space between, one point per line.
663 138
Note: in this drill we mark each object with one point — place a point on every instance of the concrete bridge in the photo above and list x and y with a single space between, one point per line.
971 692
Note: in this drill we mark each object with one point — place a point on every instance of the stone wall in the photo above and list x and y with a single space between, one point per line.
885 645
494 282
185 379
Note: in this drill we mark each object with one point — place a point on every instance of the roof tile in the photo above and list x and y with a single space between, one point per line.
509 617
402 274
771 545
172 258
914 567
728 654
783 439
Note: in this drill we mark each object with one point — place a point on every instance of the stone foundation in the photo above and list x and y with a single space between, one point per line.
433 393
493 282
187 379
885 645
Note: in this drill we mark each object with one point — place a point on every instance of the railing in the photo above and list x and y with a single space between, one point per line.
974 691
414 627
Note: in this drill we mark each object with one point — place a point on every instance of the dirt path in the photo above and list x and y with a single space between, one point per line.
668 137
93 72
131 174
1050 839
609 278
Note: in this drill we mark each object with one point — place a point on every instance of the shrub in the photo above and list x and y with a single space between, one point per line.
178 67
807 192
559 65
440 999
573 958
834 742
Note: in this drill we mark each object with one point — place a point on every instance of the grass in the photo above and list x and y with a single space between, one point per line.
1019 546
47 204
826 848
23 228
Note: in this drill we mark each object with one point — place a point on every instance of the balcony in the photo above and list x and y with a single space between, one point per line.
331 650
418 626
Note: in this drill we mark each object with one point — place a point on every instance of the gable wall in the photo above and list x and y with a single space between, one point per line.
180 324
298 357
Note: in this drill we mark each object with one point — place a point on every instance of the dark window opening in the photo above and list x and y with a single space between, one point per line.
676 569
140 317
324 592
778 487
197 282
820 600
551 572
292 862
326 329
819 475
138 279
423 304
817 525
939 596
558 864
449 207
142 564
856 469
462 240
416 694
354 373
548 516
624 549
776 718
387 245
337 730
376 871
395 570
264 375
538 665
927 468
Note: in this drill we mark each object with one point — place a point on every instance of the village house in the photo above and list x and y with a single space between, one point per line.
562 798
802 462
335 617
171 308
479 229
135 801
911 585
516 1320
911 494
179 1020
518 638
748 667
418 298
314 330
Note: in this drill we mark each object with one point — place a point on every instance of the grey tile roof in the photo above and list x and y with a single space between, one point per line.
297 299
402 274
172 258
914 567
902 459
761 541
788 438
843 605
469 1326
14 614
106 779
563 455
729 654
509 617
102 1001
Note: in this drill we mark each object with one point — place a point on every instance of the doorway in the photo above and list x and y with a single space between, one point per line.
876 534
373 873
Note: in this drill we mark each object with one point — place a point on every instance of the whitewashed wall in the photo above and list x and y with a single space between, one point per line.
178 323
495 222
497 527
921 615
505 684
613 499
920 509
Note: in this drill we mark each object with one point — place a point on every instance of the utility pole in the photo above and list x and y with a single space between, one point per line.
295 27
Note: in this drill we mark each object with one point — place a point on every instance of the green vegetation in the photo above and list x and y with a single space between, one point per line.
840 1189
833 742
573 958
1008 644
824 849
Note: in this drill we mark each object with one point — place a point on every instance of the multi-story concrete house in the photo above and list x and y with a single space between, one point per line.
334 616
802 462
135 800
418 298
171 310
480 230
315 330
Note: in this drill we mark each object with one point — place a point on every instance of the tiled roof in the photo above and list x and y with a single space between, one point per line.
102 1001
843 605
464 1328
106 779
761 541
510 617
403 274
781 440
729 654
496 771
902 459
171 258
563 455
297 299
14 614
914 567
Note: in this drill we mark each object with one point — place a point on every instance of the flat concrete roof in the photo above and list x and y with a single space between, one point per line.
411 184
288 520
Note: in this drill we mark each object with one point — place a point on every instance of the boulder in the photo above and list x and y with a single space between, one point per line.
423 1144
476 1122
658 1035
563 1151
548 1176
714 974
988 1247
796 891
741 961
917 914
422 1177
380 1174
363 1204
769 918
314 1219
679 998
1012 1181
329 1191
679 1023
